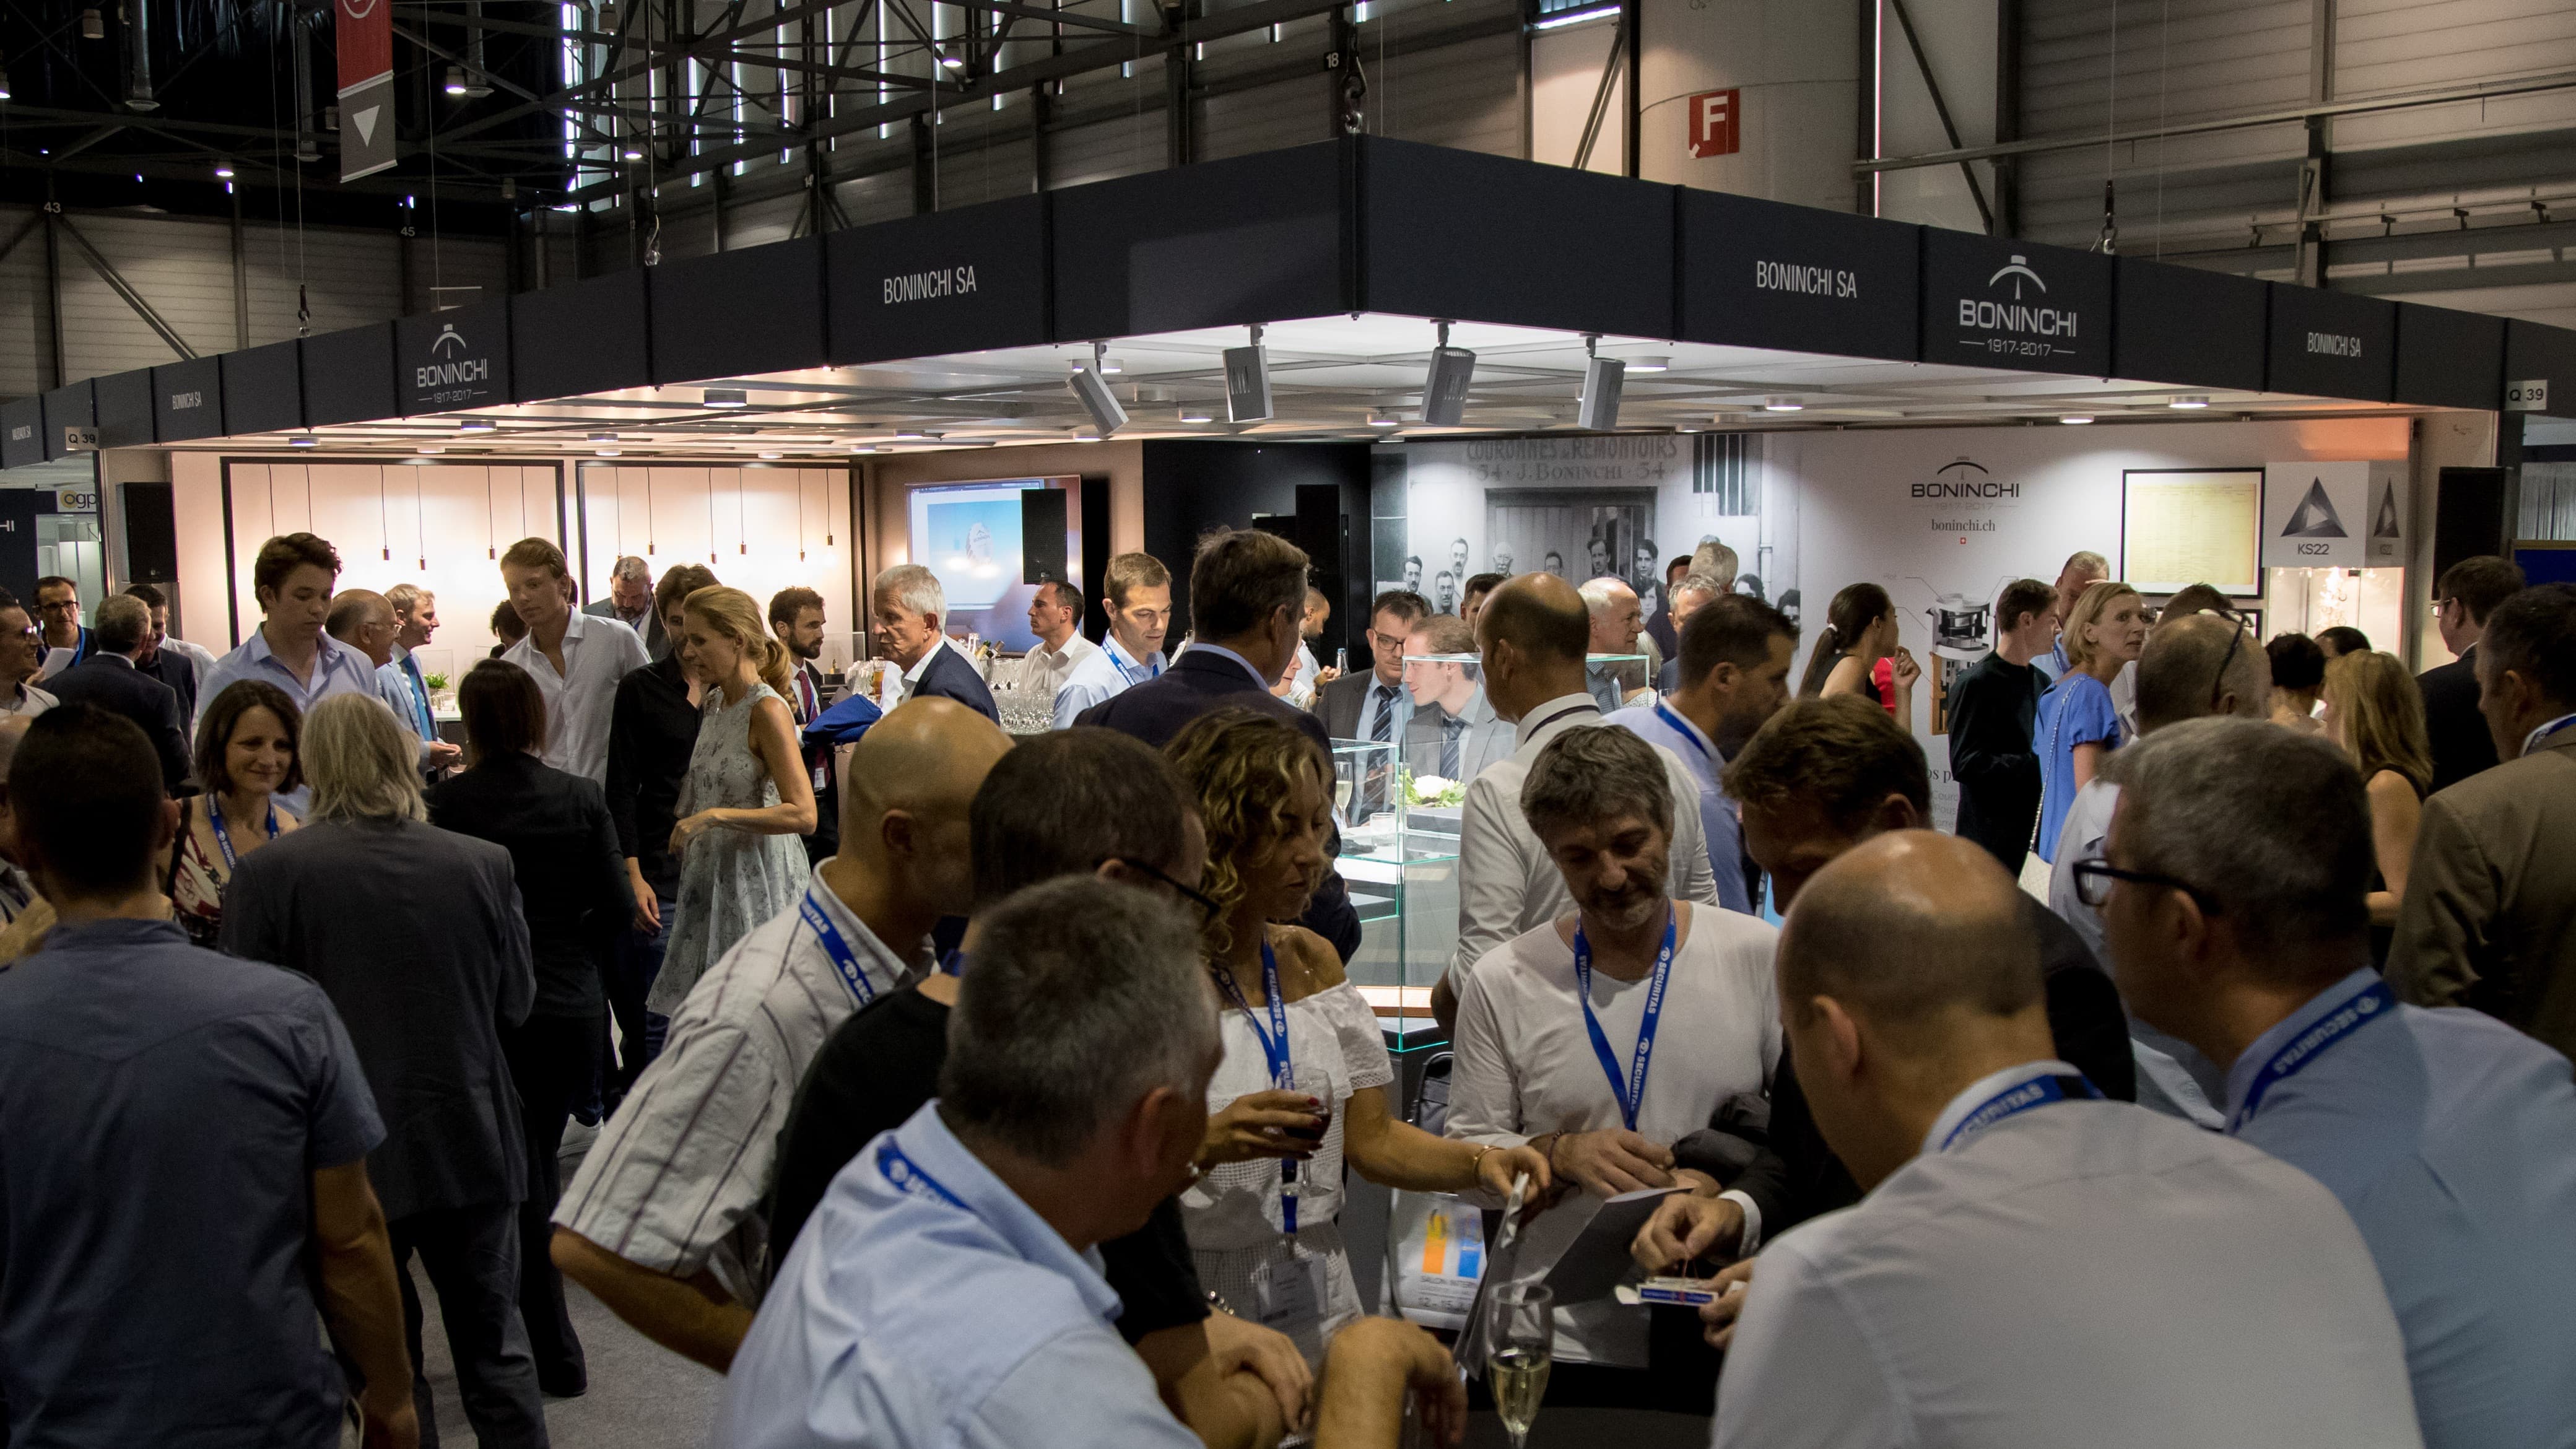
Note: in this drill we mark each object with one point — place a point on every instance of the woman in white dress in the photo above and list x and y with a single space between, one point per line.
1303 1054
747 796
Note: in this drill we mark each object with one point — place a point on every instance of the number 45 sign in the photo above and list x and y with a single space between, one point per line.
1715 119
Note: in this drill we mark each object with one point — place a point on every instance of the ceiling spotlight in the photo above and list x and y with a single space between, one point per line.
429 448
4 95
1444 387
1196 413
867 448
632 153
2075 420
1247 381
950 62
1604 378
2188 403
93 25
455 80
1649 364
1781 405
1384 420
724 397
223 171
303 440
476 425
608 452
772 455
1108 366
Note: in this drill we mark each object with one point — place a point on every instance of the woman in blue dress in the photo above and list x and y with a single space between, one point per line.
2077 725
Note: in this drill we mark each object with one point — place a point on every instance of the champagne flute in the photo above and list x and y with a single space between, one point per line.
1520 1345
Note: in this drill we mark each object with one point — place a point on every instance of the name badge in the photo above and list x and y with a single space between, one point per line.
1288 1294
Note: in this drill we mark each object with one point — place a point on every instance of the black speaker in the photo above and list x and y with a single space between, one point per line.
151 534
2468 517
1095 553
1042 535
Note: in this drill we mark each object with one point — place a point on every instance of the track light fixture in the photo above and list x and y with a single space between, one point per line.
1247 381
1603 380
1094 395
2188 404
1782 405
455 85
93 25
1444 387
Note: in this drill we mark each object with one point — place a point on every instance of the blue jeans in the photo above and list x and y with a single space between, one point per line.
632 964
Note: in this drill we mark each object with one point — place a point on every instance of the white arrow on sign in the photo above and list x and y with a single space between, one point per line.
366 122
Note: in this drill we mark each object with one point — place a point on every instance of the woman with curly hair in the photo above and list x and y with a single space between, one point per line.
1302 1088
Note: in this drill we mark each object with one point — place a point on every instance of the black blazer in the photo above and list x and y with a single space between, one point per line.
951 677
2461 744
572 878
1200 683
652 729
111 682
825 838
657 642
1993 706
1794 1176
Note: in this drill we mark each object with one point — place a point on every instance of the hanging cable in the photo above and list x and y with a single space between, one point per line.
419 530
384 534
491 531
741 538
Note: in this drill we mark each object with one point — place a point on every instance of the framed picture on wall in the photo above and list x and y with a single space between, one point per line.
2184 526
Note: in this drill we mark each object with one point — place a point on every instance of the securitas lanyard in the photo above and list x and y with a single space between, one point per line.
2371 1001
1689 736
1634 1091
1274 1050
223 837
2532 741
2014 1100
844 961
907 1177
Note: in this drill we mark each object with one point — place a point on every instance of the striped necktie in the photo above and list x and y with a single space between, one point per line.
1450 729
1382 728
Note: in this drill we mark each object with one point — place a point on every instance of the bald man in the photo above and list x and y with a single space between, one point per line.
364 620
663 1221
2033 1267
1532 636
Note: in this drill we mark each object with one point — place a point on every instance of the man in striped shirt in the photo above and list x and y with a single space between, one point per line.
662 1222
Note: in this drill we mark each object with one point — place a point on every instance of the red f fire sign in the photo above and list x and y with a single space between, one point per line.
1716 123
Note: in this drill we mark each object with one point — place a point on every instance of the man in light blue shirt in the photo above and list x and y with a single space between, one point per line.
1139 603
948 1290
292 578
2233 903
1736 652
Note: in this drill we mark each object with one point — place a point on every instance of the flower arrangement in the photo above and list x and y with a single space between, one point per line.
1434 790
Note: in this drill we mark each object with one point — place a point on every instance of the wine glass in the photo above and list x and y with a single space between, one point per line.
1520 1344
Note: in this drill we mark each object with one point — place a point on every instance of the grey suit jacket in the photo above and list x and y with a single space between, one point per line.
1339 704
416 935
657 643
1485 740
2489 918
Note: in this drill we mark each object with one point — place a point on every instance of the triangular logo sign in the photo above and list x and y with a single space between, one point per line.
2315 517
2383 519
366 123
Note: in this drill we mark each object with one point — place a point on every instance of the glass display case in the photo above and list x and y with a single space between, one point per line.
1401 868
1618 680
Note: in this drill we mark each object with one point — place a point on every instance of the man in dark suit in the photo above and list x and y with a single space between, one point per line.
630 602
2463 597
109 679
906 610
1247 601
1375 705
1993 705
796 617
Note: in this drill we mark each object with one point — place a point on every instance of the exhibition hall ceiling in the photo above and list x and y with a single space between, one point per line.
1332 378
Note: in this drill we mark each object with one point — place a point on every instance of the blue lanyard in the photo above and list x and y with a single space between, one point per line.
844 961
1129 669
907 1176
1274 1049
223 837
1689 735
2545 731
420 696
2363 1006
1633 1092
2015 1100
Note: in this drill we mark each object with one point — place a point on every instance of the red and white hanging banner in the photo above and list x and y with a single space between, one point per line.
363 30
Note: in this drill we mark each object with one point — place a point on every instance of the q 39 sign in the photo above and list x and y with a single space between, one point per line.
1716 125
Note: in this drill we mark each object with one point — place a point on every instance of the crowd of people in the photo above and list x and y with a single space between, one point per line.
2206 1083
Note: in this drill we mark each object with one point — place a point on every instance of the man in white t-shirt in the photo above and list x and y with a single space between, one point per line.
2032 1267
1557 1027
1055 616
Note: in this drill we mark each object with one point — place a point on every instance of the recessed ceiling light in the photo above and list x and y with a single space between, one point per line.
475 425
429 448
305 441
2188 403
1196 413
1649 364
724 397
455 80
603 437
2075 419
950 62
772 455
1384 420
1111 367
631 154
867 448
223 171
608 452
1782 405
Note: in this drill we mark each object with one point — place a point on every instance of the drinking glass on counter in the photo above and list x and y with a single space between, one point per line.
1520 1346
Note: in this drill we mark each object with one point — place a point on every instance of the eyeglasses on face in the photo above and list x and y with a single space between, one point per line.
1207 906
2094 877
2218 684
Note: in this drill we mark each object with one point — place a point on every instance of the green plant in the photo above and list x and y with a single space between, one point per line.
437 681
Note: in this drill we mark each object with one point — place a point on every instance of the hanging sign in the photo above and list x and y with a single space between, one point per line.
1716 121
2334 515
363 32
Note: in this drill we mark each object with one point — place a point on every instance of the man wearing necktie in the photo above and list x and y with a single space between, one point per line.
796 617
1453 733
1375 706
416 619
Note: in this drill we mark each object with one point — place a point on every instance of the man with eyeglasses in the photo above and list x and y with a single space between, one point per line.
2233 899
1138 599
22 653
663 1222
2466 596
1074 802
58 611
1376 705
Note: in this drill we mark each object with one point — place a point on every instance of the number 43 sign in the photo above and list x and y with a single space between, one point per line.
1715 119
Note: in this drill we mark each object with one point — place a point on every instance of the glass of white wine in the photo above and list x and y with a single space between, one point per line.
1520 1344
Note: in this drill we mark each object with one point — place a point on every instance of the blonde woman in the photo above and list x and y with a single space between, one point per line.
2375 712
2077 723
747 796
1302 1088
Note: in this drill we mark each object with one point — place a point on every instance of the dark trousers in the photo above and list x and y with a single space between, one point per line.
472 1255
554 1060
631 966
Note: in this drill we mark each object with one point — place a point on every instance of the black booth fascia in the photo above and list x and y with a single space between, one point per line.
738 314
125 409
349 376
188 400
1261 238
2534 352
2007 303
2210 330
969 280
264 388
75 406
2448 358
452 360
1755 273
584 337
22 432
2332 344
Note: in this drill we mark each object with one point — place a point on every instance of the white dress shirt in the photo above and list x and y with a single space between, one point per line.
2079 1273
925 1306
1103 674
29 701
1507 885
675 1180
912 677
581 701
1047 669
1301 679
1525 1065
